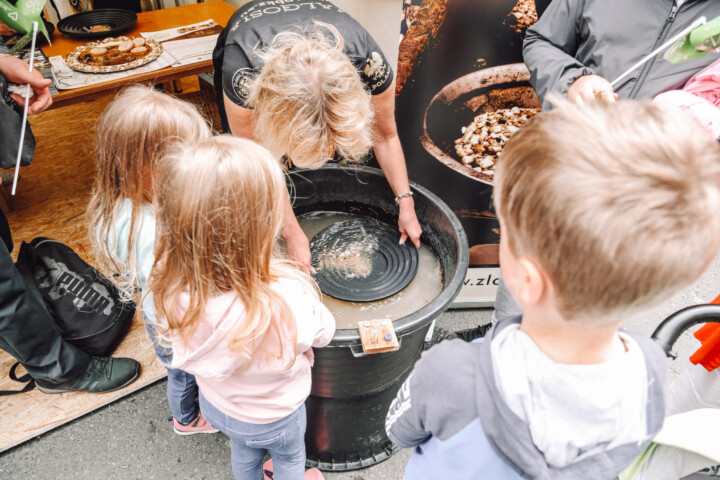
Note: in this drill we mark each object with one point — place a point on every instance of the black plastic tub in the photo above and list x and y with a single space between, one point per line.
351 391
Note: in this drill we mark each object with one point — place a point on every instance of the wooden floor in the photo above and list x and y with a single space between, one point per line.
50 202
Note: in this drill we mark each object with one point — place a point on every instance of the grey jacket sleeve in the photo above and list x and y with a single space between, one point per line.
437 399
550 46
404 422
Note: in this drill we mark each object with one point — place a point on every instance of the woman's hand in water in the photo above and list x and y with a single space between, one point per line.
408 223
298 249
298 246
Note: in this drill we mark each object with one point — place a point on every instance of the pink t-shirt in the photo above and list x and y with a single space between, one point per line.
261 392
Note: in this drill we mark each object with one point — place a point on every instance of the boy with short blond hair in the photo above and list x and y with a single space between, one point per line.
604 211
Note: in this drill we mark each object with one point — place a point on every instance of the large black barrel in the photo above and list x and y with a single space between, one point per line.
351 391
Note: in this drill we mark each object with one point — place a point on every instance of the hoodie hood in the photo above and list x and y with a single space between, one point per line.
510 436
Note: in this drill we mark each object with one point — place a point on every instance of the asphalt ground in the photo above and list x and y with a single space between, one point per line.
133 438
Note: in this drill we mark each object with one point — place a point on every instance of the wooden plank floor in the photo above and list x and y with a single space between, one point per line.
50 202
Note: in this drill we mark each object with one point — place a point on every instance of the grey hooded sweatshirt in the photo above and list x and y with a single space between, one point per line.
451 411
606 37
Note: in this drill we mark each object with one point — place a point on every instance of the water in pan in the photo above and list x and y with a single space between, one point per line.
426 285
349 260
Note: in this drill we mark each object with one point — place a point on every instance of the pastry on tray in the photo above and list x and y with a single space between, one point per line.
113 55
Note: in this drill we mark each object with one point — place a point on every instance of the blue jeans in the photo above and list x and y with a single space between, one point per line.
284 439
182 388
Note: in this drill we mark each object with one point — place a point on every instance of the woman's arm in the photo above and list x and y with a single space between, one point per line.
239 119
388 151
298 246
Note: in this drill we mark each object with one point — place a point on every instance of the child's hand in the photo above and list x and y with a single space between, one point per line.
589 88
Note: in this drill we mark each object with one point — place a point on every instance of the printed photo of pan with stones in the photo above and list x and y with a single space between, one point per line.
462 90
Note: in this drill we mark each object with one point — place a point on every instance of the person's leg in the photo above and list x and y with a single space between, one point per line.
182 391
246 459
289 457
182 388
29 333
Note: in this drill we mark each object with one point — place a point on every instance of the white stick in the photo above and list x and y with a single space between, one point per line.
693 26
25 110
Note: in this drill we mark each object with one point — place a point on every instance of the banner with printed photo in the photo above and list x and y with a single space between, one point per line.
459 59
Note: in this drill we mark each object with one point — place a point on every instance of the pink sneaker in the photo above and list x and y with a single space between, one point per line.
199 425
268 470
313 474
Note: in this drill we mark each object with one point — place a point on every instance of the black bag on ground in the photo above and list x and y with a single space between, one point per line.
85 305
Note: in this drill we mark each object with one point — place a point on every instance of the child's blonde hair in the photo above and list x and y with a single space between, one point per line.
220 211
618 203
308 100
132 134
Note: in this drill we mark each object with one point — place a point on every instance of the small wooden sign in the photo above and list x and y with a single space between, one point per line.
378 336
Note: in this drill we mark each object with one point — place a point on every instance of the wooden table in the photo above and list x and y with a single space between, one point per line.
147 22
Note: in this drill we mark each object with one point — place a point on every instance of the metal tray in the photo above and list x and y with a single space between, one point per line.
73 60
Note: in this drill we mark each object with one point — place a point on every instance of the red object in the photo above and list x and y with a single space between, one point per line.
708 355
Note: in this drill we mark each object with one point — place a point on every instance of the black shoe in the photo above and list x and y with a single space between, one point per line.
470 334
712 472
103 374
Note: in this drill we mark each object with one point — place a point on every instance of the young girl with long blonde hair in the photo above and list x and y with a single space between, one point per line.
133 134
241 318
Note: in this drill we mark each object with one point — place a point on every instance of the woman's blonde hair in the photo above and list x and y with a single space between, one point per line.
220 210
132 134
309 101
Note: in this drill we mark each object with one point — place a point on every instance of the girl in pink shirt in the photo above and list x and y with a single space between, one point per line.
240 318
700 97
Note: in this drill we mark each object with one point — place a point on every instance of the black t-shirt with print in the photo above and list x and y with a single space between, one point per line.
255 24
